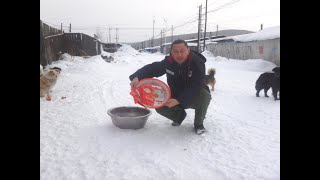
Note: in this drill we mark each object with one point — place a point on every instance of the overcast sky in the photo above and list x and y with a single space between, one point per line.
134 18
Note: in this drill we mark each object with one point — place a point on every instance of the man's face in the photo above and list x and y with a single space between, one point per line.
180 53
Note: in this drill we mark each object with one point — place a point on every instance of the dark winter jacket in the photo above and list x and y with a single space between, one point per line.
185 80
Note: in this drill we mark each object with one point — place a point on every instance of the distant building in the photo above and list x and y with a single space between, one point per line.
216 37
152 49
110 47
159 41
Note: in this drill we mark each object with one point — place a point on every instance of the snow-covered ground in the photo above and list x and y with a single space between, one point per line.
78 140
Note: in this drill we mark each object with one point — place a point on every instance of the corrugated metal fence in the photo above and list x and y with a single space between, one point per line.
263 49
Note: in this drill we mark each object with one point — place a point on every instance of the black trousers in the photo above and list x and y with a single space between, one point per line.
200 104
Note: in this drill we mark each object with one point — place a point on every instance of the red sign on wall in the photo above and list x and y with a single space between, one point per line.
261 49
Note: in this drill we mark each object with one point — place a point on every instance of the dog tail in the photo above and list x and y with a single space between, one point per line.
211 71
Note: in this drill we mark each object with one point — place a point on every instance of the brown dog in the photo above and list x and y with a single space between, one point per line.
47 82
210 79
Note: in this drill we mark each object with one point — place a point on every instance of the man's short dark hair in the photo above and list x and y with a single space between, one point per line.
179 41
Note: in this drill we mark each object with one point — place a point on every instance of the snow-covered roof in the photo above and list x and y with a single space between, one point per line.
267 33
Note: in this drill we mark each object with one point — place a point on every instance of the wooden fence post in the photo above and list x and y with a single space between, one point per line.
43 59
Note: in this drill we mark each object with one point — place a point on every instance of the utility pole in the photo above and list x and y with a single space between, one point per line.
161 39
152 42
70 28
199 28
109 34
172 35
117 35
165 37
261 27
61 27
217 31
205 29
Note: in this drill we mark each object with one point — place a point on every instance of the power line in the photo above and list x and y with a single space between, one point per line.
241 18
223 6
214 2
138 31
95 27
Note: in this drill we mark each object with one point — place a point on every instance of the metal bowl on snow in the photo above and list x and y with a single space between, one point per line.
129 117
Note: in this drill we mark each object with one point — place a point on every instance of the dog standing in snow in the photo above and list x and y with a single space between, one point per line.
267 80
210 79
47 82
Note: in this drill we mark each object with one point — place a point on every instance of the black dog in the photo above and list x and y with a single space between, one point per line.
267 80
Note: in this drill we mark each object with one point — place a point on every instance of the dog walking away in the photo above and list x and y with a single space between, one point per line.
210 79
269 80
